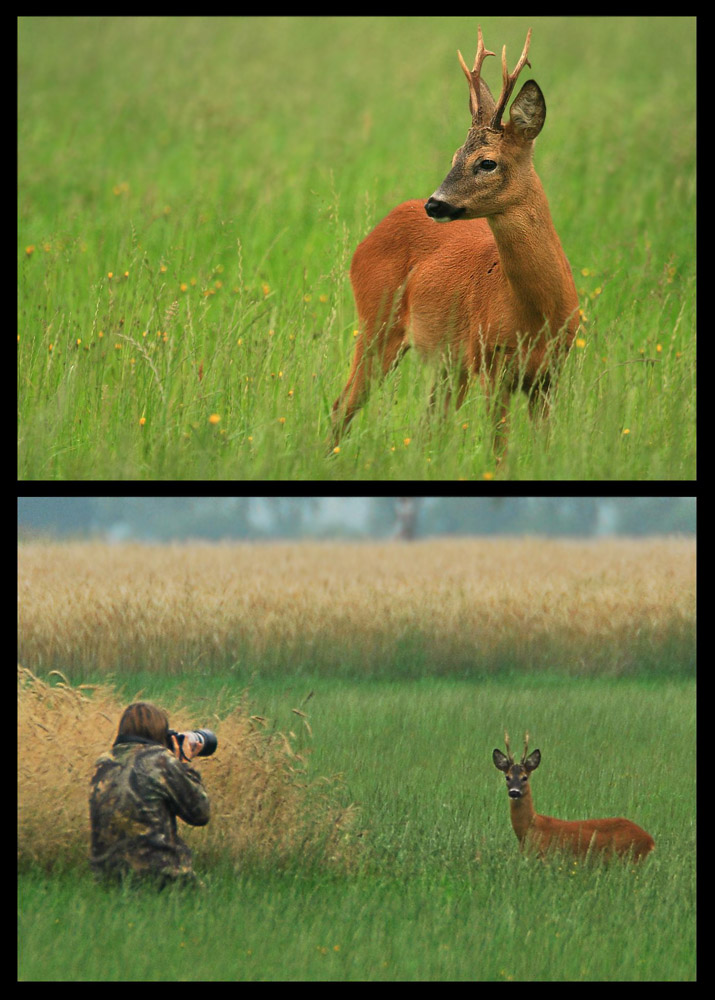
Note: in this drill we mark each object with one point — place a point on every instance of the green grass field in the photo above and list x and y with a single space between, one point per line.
191 192
440 890
366 837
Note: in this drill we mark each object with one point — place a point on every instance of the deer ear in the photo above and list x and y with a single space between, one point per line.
528 111
500 760
486 100
533 760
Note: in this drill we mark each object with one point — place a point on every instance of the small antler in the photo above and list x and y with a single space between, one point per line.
473 79
526 746
508 81
509 755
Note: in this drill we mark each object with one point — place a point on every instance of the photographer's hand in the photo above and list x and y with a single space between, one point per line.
187 750
191 749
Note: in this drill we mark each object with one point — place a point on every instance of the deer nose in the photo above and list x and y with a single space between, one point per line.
442 211
514 793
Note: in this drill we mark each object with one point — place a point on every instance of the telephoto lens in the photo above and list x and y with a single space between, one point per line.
207 739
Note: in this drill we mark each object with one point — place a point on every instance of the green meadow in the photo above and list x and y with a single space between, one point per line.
191 193
438 890
360 830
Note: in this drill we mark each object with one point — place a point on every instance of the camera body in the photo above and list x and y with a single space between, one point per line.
204 737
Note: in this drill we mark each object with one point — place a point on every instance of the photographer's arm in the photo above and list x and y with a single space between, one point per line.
186 791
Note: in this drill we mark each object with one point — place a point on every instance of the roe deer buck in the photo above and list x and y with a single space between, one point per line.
599 836
492 291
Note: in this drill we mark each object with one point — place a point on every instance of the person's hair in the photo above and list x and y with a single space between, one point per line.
146 720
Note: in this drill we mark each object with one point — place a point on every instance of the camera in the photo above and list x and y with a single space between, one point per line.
204 737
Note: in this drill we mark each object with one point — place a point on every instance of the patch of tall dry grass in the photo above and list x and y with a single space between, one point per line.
262 804
458 604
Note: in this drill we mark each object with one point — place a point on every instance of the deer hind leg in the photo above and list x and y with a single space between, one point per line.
379 357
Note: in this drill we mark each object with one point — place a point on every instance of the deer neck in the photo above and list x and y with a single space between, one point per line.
533 261
522 814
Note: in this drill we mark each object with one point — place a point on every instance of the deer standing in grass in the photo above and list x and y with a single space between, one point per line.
490 292
599 836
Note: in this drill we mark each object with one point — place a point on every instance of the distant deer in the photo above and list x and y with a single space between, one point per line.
599 836
492 292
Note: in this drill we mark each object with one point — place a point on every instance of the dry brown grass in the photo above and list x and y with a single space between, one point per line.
455 604
262 805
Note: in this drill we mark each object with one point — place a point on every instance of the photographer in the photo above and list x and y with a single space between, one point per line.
138 790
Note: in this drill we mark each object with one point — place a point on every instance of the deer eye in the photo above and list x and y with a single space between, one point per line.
485 166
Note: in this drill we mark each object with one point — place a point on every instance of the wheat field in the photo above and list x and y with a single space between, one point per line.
447 606
368 841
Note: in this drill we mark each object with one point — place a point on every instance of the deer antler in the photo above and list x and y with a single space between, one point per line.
508 81
473 79
526 746
509 755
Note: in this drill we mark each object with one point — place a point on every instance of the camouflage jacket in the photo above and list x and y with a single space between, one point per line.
138 790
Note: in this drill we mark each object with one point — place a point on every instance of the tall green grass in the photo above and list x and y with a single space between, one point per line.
426 881
191 191
440 891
